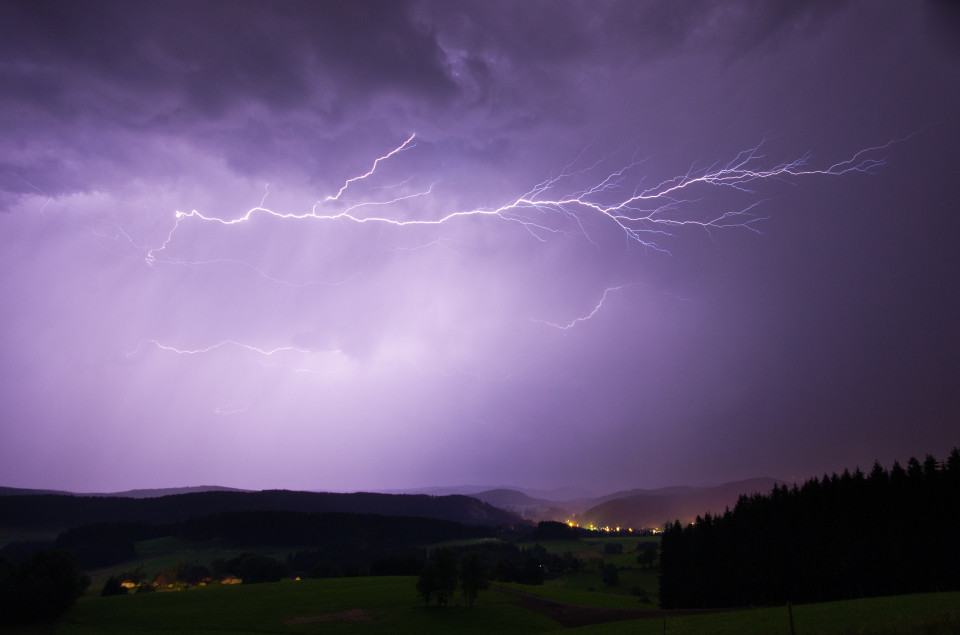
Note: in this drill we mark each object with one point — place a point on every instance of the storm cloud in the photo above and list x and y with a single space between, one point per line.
342 338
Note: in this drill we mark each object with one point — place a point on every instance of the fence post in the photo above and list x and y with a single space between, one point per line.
790 615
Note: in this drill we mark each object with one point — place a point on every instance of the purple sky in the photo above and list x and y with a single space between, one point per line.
817 330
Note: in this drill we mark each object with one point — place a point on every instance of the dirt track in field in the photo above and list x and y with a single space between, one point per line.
570 615
352 615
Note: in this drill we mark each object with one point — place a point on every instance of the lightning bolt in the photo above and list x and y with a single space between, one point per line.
232 410
642 214
403 146
599 305
645 215
266 352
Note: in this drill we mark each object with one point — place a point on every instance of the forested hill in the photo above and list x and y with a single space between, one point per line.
652 508
854 535
52 511
130 493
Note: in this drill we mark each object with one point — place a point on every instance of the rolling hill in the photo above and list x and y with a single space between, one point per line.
60 511
653 508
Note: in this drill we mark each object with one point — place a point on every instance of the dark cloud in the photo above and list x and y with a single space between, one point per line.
760 27
206 57
257 81
476 350
612 32
943 18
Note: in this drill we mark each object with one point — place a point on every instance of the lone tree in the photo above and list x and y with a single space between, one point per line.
113 587
610 575
647 555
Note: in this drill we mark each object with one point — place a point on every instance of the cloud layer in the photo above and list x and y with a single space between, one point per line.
306 349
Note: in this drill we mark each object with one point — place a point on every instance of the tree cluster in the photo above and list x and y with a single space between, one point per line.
853 535
333 561
103 544
252 568
553 530
444 571
60 510
42 587
345 543
137 579
95 546
348 531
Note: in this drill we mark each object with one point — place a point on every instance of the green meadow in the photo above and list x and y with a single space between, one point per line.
389 605
919 614
374 605
586 586
342 605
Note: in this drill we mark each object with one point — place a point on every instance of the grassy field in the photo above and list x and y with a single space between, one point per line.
588 582
164 553
343 605
587 548
580 597
389 605
377 605
920 614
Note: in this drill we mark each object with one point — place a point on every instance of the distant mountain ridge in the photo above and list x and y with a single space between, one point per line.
555 495
63 511
469 504
639 508
654 508
130 493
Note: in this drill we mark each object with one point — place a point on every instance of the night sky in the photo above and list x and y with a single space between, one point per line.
618 244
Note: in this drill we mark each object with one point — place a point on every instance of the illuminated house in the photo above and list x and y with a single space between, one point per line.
165 580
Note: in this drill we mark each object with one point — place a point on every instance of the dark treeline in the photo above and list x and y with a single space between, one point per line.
321 545
346 531
346 545
64 511
553 530
853 535
104 544
349 538
507 562
93 546
494 560
331 562
471 567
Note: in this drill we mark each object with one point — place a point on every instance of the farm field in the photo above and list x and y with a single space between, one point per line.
389 605
574 601
344 605
586 586
165 553
918 614
158 554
